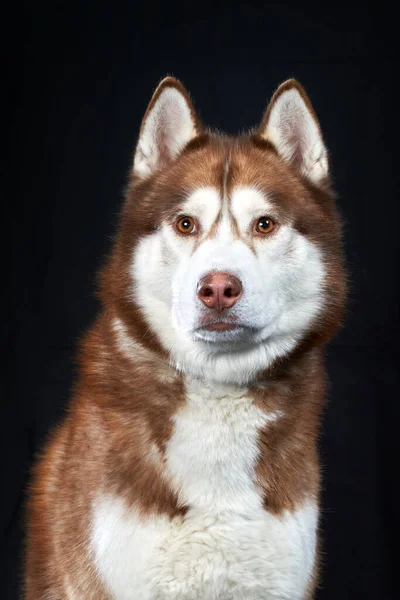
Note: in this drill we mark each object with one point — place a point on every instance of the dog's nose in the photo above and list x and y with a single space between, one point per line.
219 290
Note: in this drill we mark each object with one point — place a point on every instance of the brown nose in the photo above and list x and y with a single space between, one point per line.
219 290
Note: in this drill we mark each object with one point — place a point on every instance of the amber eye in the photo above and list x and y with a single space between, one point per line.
185 225
265 225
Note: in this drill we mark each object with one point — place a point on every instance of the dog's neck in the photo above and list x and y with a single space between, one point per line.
130 355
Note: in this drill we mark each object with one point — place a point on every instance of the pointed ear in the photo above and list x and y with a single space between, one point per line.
291 124
170 122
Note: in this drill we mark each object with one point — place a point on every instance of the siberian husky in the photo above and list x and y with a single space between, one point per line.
186 467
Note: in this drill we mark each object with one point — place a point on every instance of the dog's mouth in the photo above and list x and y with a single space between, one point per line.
207 324
224 331
220 326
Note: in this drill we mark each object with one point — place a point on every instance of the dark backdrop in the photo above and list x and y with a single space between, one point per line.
80 79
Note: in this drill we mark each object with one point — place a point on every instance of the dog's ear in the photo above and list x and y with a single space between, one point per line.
291 124
170 122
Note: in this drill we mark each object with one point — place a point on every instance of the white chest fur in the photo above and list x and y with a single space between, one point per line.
227 547
213 452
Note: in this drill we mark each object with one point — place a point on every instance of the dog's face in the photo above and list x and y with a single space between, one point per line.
233 242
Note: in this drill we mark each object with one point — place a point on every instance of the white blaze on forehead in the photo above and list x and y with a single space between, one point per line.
205 204
249 203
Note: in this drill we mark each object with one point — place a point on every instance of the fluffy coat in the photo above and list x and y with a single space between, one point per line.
186 467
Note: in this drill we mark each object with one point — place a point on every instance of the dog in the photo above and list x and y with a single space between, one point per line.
186 466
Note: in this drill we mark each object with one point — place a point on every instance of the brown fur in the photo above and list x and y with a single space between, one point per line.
113 437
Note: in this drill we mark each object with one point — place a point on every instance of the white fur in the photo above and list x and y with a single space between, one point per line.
205 204
227 547
211 456
282 289
249 204
167 129
129 347
69 590
295 133
254 556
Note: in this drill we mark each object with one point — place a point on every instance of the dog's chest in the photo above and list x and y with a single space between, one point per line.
226 547
212 454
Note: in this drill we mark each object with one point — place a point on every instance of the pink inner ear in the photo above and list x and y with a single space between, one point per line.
171 120
296 139
168 126
163 144
293 129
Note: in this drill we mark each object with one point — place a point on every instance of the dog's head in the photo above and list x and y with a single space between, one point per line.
228 255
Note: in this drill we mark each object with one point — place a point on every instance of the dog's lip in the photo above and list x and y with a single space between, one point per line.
219 325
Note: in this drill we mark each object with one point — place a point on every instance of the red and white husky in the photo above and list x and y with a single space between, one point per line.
186 467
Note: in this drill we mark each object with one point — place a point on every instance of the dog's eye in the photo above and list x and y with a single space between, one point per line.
185 225
265 225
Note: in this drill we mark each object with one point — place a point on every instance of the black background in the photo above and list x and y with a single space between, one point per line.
80 78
